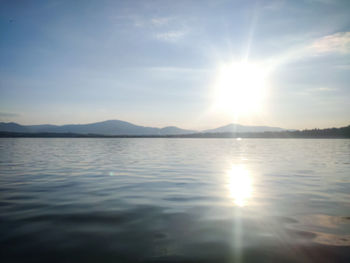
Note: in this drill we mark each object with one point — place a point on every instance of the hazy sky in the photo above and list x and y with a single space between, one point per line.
158 63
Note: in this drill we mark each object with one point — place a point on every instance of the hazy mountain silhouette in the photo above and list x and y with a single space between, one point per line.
13 127
110 127
242 128
117 127
172 130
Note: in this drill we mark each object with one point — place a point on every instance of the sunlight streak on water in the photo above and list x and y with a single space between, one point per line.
240 184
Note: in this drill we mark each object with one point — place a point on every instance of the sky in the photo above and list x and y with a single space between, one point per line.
193 64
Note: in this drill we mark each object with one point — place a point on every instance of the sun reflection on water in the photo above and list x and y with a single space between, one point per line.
240 184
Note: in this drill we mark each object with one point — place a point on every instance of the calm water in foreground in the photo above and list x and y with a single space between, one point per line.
174 200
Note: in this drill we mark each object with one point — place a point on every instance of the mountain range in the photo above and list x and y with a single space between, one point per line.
117 127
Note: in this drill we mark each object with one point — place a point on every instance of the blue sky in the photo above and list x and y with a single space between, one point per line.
156 63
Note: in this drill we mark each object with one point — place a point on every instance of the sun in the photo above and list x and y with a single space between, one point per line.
240 88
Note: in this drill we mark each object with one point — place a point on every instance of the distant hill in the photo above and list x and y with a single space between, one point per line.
12 127
110 127
117 127
237 128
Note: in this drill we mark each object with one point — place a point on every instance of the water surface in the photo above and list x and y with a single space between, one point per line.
174 200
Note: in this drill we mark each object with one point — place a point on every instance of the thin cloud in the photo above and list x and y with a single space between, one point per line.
171 36
168 29
338 43
160 21
8 114
178 69
326 89
335 43
142 21
322 89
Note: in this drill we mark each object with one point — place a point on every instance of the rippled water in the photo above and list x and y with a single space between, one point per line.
174 200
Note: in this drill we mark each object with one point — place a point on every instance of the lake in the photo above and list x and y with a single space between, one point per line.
174 200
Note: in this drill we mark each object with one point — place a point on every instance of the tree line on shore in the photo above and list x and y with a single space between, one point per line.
343 132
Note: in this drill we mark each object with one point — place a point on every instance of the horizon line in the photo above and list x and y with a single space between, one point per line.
162 127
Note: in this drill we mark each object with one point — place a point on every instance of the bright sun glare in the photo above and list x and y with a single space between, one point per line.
240 185
239 88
